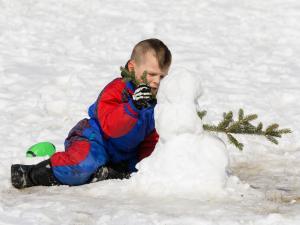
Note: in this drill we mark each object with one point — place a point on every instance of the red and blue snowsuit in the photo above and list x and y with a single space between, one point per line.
116 132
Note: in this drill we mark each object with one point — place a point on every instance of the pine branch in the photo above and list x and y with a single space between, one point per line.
130 76
243 126
226 121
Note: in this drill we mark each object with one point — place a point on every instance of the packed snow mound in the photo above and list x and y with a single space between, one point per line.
186 160
185 165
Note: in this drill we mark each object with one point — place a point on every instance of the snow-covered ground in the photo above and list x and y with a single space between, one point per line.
56 56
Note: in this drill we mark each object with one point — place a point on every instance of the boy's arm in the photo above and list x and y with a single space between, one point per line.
148 145
116 117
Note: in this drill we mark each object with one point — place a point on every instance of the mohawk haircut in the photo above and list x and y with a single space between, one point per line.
160 50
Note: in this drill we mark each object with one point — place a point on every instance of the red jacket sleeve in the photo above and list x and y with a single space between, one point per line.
115 117
148 145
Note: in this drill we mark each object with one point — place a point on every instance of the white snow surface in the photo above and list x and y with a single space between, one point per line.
56 56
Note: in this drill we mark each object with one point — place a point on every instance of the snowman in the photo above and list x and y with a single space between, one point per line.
186 159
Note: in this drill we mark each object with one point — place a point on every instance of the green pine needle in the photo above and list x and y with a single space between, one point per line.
229 116
241 114
259 127
272 139
243 126
275 134
224 114
144 77
227 119
211 128
272 127
284 131
201 114
234 127
129 76
250 118
235 142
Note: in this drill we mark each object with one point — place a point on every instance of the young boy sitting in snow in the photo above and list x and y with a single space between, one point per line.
119 133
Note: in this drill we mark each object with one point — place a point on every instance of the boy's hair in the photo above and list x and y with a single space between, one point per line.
161 51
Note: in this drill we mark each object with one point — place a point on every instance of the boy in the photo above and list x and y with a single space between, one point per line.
119 133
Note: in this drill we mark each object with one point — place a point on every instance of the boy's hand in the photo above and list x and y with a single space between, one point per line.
142 96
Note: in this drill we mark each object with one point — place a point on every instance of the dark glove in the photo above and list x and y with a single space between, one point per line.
142 96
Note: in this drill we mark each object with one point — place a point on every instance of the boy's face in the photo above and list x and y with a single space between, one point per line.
154 73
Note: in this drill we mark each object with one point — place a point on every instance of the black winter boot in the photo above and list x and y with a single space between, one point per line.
106 172
23 176
20 176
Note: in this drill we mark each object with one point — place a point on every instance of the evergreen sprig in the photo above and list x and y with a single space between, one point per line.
243 126
130 76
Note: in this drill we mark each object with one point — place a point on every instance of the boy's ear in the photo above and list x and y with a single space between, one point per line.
131 65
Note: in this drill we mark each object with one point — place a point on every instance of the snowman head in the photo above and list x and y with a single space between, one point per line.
180 87
176 111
